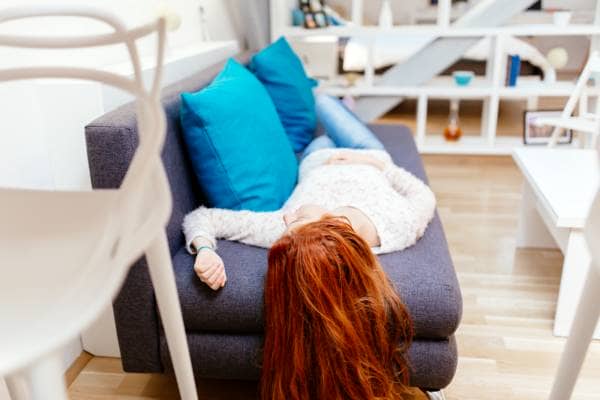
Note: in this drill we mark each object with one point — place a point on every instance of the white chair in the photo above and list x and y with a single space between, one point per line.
586 123
586 317
64 255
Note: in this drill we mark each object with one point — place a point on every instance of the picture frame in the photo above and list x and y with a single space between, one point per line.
540 135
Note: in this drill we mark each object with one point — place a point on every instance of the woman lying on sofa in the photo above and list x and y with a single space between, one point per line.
346 174
328 303
385 204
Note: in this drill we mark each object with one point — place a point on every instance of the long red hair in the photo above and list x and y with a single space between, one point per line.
335 327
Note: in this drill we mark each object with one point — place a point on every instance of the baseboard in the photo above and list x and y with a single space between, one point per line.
76 367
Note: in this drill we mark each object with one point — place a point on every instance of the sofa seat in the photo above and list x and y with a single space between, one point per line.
423 274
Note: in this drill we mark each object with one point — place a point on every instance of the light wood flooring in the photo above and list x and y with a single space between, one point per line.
506 347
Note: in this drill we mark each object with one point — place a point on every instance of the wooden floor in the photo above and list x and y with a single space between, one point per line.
506 347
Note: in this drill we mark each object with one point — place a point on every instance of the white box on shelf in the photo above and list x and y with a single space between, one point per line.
319 54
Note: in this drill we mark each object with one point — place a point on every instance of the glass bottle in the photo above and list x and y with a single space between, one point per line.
453 132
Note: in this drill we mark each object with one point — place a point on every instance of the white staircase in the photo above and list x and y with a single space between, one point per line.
439 55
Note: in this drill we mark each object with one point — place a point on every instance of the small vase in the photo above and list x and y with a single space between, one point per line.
452 133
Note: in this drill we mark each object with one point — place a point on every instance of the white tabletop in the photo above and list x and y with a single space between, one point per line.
564 180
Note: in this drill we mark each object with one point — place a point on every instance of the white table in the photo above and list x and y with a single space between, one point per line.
559 187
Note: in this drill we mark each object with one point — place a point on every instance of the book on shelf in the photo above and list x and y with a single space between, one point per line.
513 70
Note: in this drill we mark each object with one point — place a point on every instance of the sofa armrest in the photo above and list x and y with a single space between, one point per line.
110 147
138 327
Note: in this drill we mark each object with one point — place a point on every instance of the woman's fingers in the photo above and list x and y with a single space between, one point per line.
215 283
213 274
221 282
204 269
210 269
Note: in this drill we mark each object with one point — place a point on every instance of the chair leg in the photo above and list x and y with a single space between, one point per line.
163 280
579 339
45 378
16 387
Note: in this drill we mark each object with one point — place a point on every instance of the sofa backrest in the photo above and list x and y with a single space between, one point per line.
112 140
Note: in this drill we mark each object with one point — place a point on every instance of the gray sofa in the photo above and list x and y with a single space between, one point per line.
224 328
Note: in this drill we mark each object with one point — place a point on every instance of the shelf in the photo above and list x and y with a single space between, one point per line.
443 87
502 145
436 144
436 31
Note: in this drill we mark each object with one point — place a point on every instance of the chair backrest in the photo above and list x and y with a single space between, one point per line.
592 231
145 165
579 94
98 233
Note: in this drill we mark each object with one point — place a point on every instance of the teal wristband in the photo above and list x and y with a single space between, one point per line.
199 249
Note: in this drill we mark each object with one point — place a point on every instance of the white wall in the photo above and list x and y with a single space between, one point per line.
402 9
35 151
26 157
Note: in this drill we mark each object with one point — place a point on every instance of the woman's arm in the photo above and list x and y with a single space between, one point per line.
203 226
419 196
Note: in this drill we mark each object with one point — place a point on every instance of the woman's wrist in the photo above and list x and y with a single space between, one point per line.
200 243
380 165
199 249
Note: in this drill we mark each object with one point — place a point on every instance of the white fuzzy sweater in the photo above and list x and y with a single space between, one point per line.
398 203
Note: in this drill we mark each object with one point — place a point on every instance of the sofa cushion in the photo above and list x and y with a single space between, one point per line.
282 73
239 150
423 274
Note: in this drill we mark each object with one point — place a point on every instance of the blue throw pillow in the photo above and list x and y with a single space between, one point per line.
343 126
282 73
239 150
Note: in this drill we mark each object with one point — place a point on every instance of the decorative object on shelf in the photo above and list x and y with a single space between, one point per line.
561 18
352 78
172 19
203 25
386 17
297 17
536 133
514 68
558 57
453 132
463 78
314 14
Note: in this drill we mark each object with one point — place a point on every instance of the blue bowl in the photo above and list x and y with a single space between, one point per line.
463 78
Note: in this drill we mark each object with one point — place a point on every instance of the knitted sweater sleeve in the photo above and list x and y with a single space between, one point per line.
420 201
254 228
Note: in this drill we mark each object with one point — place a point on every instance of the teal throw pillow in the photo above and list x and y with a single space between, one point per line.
238 147
281 72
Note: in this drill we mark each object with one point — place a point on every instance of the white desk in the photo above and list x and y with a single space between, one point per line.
559 187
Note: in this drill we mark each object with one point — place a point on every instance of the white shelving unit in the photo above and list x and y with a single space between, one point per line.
490 88
437 31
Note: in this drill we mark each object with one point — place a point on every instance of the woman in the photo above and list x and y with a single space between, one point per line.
386 205
336 329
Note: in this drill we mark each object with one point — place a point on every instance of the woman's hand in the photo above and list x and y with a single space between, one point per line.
348 157
210 268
